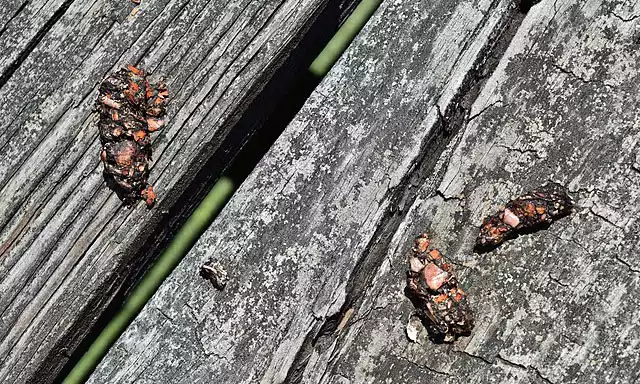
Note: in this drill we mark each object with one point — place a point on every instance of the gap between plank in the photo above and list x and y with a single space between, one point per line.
122 309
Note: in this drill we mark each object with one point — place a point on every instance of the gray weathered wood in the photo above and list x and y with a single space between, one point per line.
298 234
557 306
67 243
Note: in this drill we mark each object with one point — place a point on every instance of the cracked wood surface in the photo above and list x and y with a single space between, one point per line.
295 236
556 306
67 243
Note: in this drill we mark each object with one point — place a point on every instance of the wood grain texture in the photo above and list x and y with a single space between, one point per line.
296 236
556 306
67 244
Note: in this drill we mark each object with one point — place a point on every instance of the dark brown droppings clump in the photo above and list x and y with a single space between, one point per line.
130 109
436 294
527 213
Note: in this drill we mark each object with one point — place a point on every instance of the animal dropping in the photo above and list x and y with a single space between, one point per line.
130 109
530 212
214 272
434 290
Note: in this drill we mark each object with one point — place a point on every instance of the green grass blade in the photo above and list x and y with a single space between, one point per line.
168 260
345 35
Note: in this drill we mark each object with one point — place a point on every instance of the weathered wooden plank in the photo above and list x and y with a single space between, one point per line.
67 243
9 11
557 306
297 233
23 25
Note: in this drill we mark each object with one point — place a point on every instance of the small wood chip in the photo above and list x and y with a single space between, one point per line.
414 325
